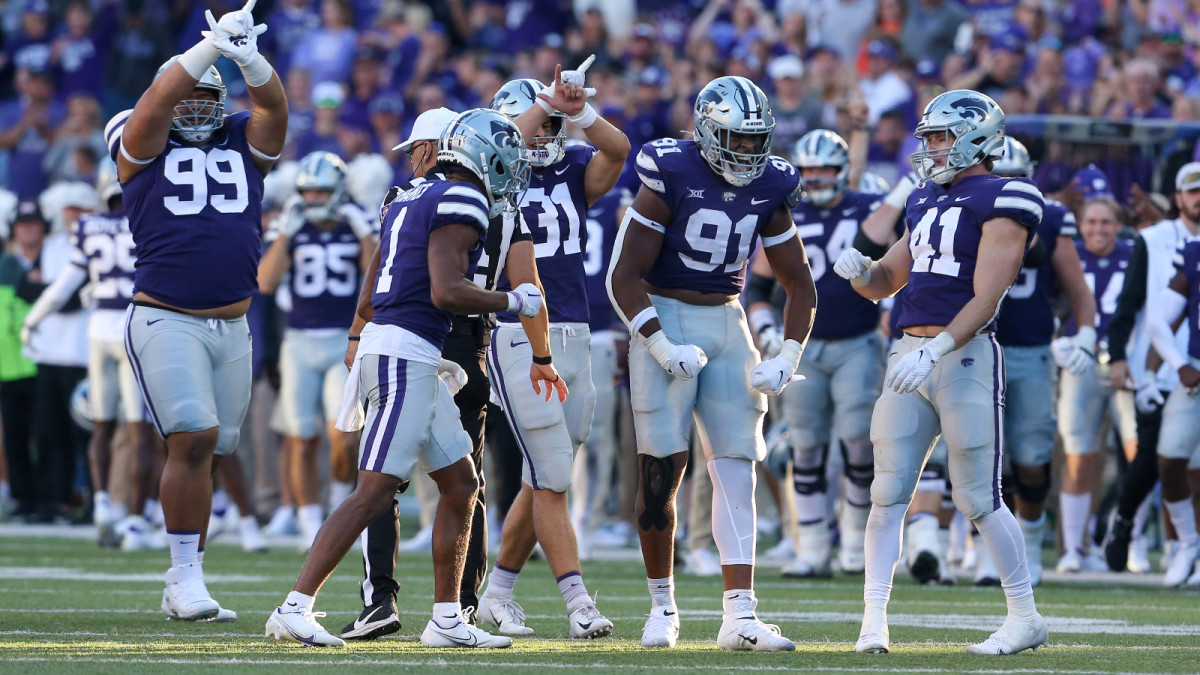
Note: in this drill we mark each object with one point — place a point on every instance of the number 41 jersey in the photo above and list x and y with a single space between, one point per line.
195 212
714 226
945 225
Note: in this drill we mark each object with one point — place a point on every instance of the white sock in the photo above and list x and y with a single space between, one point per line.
200 553
1033 532
100 497
185 546
220 502
447 612
1006 544
338 492
1141 516
1075 510
738 601
153 512
1184 520
884 536
501 581
309 516
5 491
298 602
662 591
573 591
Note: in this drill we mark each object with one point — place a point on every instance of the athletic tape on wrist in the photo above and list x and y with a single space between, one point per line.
642 317
586 117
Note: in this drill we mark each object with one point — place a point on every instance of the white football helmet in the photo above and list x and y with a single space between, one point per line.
196 119
733 105
487 143
516 97
976 124
873 184
1016 161
822 148
323 171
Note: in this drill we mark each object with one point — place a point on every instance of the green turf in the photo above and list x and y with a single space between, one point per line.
54 620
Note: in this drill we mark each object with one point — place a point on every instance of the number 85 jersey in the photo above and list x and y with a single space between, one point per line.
714 225
944 229
195 212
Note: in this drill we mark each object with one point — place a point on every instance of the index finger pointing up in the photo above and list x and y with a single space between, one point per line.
587 63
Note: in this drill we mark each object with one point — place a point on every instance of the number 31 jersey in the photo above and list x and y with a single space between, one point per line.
945 225
714 226
196 217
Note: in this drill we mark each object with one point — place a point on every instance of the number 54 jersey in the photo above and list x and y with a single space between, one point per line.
714 226
945 225
196 217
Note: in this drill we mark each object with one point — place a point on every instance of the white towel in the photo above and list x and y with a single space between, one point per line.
350 414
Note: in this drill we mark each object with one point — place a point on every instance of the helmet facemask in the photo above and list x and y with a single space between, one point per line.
925 161
323 173
548 150
196 119
821 190
737 168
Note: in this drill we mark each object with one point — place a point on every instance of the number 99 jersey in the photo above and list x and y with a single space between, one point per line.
945 225
714 225
196 217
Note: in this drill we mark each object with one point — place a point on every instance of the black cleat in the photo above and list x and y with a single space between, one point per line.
1116 548
925 568
374 622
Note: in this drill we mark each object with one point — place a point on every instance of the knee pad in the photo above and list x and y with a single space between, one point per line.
933 479
733 515
974 504
1035 494
888 490
658 492
808 470
859 471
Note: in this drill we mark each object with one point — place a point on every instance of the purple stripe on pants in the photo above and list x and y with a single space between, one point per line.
381 375
998 383
137 370
494 360
390 424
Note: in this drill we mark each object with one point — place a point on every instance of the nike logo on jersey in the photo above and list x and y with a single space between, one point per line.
961 199
151 323
846 212
559 172
514 343
756 202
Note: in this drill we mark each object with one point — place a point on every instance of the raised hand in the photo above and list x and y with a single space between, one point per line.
567 99
235 35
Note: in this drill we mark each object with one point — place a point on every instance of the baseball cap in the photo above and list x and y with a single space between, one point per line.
388 104
1188 177
1007 41
29 211
1093 183
653 76
428 127
881 49
928 69
328 95
787 65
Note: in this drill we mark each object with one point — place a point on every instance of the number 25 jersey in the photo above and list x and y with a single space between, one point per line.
714 225
196 217
945 225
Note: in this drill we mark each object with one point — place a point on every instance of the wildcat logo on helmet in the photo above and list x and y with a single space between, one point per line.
969 108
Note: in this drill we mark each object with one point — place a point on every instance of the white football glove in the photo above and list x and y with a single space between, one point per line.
770 340
291 219
525 300
578 76
453 375
1082 352
853 266
771 376
235 35
87 296
1148 397
682 361
360 224
912 368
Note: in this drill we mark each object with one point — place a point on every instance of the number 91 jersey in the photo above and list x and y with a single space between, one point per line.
195 212
714 225
945 225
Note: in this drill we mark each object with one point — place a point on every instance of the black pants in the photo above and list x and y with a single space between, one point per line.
16 408
467 346
506 461
1139 477
60 442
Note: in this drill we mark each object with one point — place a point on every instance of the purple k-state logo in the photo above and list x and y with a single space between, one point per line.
967 363
238 40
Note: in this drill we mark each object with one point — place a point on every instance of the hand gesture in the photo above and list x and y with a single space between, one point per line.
235 35
564 97
549 375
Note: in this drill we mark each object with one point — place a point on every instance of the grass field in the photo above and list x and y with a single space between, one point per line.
66 606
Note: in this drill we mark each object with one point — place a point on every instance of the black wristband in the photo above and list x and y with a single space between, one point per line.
543 360
354 338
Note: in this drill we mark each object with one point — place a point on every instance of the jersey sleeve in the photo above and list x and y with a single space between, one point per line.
1067 226
1020 200
461 204
1179 259
113 132
79 257
649 171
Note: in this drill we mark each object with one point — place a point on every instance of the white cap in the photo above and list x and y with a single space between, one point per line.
785 66
1188 177
429 126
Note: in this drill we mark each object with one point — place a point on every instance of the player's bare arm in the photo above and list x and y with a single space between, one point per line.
639 247
1001 250
1070 274
884 278
365 311
521 267
452 291
789 265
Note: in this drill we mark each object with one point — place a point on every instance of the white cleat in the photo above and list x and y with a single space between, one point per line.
1071 562
702 563
802 568
505 614
587 623
747 632
852 523
662 628
874 637
812 553
782 552
252 537
1139 556
1194 580
137 534
186 598
283 523
458 633
1181 565
223 615
301 627
1016 635
1170 548
105 517
421 542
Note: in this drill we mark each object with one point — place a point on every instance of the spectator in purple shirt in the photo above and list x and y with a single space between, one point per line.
82 52
26 130
30 47
325 133
328 52
365 85
291 22
1138 98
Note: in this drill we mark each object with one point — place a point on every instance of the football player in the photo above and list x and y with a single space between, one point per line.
677 271
565 181
967 232
429 247
1178 444
193 179
325 241
104 257
1086 396
844 371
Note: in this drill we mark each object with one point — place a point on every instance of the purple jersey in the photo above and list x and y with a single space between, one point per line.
1027 313
1187 261
714 226
555 209
944 226
195 212
104 246
326 273
841 312
1105 275
402 295
602 225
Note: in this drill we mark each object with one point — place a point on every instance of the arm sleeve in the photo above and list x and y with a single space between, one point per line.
1037 255
58 295
1130 302
867 247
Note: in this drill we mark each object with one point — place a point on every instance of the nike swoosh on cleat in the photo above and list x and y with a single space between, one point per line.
666 613
363 621
585 626
683 366
753 641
